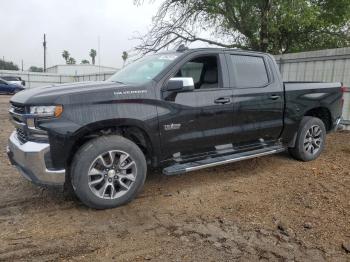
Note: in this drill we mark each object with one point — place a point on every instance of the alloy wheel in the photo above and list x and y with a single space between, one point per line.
112 174
313 140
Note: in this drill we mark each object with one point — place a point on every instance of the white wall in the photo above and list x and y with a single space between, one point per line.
42 79
80 69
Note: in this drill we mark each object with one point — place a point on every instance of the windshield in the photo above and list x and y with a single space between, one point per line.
10 78
144 70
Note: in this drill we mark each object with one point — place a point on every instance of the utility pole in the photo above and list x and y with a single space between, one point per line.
22 65
99 56
44 45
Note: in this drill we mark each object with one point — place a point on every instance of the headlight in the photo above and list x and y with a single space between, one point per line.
46 111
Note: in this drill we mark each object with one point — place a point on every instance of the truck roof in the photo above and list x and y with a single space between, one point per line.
191 50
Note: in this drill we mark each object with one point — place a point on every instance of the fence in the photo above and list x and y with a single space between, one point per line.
33 79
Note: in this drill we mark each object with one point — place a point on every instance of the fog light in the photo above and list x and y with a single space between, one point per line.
31 123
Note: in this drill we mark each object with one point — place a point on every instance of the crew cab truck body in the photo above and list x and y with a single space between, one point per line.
182 111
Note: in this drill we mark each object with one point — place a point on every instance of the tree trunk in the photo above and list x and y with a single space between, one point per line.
264 37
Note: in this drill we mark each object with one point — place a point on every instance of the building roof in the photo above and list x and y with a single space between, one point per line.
82 65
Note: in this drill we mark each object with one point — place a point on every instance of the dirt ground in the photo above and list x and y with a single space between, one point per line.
271 208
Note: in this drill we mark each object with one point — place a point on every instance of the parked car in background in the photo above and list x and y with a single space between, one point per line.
14 80
9 88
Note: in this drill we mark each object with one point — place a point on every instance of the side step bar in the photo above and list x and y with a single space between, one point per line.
178 169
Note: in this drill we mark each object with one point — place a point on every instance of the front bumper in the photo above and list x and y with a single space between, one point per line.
29 159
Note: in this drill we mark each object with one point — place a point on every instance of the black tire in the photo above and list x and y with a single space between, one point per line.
89 153
300 152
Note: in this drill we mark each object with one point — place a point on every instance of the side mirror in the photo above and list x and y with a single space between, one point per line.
180 84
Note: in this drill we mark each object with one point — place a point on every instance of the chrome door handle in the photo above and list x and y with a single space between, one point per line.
222 100
274 97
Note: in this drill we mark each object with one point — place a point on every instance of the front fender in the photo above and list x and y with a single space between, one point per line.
79 121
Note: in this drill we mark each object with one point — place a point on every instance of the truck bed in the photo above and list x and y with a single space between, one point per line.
306 96
296 85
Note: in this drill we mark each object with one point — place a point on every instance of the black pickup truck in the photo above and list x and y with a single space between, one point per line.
182 111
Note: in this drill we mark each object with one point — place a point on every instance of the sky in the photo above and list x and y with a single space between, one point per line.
73 25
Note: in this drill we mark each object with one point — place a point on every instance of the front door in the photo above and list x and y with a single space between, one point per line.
197 121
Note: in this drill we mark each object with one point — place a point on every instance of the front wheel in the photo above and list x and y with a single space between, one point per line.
108 172
310 139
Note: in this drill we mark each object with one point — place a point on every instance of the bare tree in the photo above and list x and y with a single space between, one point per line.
179 22
277 26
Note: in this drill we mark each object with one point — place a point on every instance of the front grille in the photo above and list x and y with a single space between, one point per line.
21 135
19 109
19 119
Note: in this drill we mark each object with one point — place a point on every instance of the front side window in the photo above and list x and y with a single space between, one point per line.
250 71
192 69
204 71
145 69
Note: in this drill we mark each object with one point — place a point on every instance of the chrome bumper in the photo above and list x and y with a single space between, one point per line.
29 159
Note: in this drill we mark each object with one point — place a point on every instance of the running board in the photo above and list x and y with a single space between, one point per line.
178 169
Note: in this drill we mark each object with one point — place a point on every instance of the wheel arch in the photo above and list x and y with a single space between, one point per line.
131 129
322 113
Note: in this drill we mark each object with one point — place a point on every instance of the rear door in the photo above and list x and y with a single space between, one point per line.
258 98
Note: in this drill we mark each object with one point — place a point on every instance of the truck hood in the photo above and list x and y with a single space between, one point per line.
56 93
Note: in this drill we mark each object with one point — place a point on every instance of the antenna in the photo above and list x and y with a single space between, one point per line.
44 45
182 48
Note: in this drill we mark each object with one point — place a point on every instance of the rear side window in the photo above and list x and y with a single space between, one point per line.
250 71
10 78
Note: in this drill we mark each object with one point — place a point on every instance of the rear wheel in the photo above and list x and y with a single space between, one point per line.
108 172
310 139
